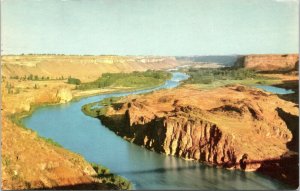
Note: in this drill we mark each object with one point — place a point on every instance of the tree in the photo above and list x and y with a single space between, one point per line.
30 77
9 87
73 81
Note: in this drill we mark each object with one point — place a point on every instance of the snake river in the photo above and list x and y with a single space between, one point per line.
67 125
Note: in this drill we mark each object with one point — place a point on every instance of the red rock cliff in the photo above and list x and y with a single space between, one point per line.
269 62
225 126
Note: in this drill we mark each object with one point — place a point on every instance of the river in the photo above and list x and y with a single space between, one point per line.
68 126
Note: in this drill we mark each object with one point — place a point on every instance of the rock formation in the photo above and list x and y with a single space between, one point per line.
64 95
234 127
269 62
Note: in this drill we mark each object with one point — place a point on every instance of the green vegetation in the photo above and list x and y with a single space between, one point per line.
109 101
208 75
9 87
14 77
51 141
109 178
73 81
96 109
34 78
149 78
6 161
17 119
215 77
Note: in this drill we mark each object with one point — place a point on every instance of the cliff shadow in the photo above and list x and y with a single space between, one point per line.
116 123
161 170
292 123
293 85
285 169
83 186
138 133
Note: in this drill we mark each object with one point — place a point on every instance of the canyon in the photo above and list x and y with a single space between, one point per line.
228 126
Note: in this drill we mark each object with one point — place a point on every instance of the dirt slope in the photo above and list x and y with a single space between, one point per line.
30 162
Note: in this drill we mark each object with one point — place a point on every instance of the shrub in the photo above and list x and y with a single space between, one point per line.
17 90
74 81
104 174
51 141
14 77
30 77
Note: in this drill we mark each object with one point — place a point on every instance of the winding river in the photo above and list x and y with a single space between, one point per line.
68 126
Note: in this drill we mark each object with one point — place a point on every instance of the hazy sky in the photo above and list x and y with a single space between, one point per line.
149 27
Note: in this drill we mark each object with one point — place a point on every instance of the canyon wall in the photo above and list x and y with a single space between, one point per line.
233 127
86 68
269 62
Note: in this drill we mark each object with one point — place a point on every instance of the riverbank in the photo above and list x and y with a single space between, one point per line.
79 94
47 165
22 96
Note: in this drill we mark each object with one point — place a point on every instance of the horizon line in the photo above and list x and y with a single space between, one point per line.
194 55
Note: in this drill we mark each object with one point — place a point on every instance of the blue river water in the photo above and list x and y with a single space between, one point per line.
68 126
274 89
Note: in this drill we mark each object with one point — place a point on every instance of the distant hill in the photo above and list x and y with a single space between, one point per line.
227 60
87 68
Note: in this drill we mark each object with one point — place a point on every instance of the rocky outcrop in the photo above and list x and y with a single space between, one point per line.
64 95
269 62
233 127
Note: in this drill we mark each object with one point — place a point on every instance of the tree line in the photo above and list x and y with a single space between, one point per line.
209 75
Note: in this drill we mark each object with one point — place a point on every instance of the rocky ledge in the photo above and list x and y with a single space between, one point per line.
234 127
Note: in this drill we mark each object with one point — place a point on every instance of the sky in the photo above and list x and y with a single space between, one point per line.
149 27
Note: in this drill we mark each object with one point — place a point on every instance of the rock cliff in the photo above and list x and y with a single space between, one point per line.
234 127
269 62
64 95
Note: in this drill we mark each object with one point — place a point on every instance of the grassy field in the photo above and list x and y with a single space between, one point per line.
208 78
134 80
99 108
